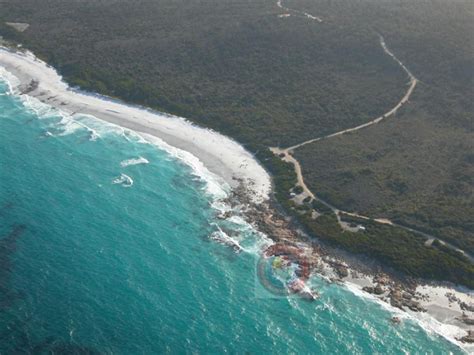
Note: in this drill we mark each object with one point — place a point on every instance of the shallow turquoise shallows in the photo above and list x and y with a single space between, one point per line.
103 254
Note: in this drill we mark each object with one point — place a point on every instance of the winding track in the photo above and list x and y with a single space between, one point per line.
301 13
413 82
286 155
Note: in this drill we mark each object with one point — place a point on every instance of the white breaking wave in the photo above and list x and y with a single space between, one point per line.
124 180
135 161
221 237
215 185
41 110
68 123
68 126
93 135
245 238
425 321
11 80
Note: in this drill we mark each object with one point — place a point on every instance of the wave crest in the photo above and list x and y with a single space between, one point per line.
133 161
124 180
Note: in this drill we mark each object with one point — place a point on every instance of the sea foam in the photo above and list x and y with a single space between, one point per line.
215 185
133 161
426 321
124 180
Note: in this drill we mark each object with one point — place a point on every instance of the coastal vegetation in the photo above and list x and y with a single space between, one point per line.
402 250
268 81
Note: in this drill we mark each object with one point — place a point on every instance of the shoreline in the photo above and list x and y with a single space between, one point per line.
233 165
437 307
221 155
441 306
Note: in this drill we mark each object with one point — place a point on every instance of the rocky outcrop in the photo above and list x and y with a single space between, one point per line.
396 320
396 298
466 319
368 289
414 306
224 215
467 307
376 290
32 86
404 299
382 279
340 268
469 338
342 271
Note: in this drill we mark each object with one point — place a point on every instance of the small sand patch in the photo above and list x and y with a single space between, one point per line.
19 26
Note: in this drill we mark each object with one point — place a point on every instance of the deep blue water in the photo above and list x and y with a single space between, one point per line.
89 264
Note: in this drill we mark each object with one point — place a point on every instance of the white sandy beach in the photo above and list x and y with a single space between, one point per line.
443 314
442 303
221 155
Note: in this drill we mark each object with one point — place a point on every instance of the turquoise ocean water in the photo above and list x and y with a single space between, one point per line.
91 262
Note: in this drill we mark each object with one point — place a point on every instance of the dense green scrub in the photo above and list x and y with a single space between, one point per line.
417 168
403 250
389 171
240 69
235 67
